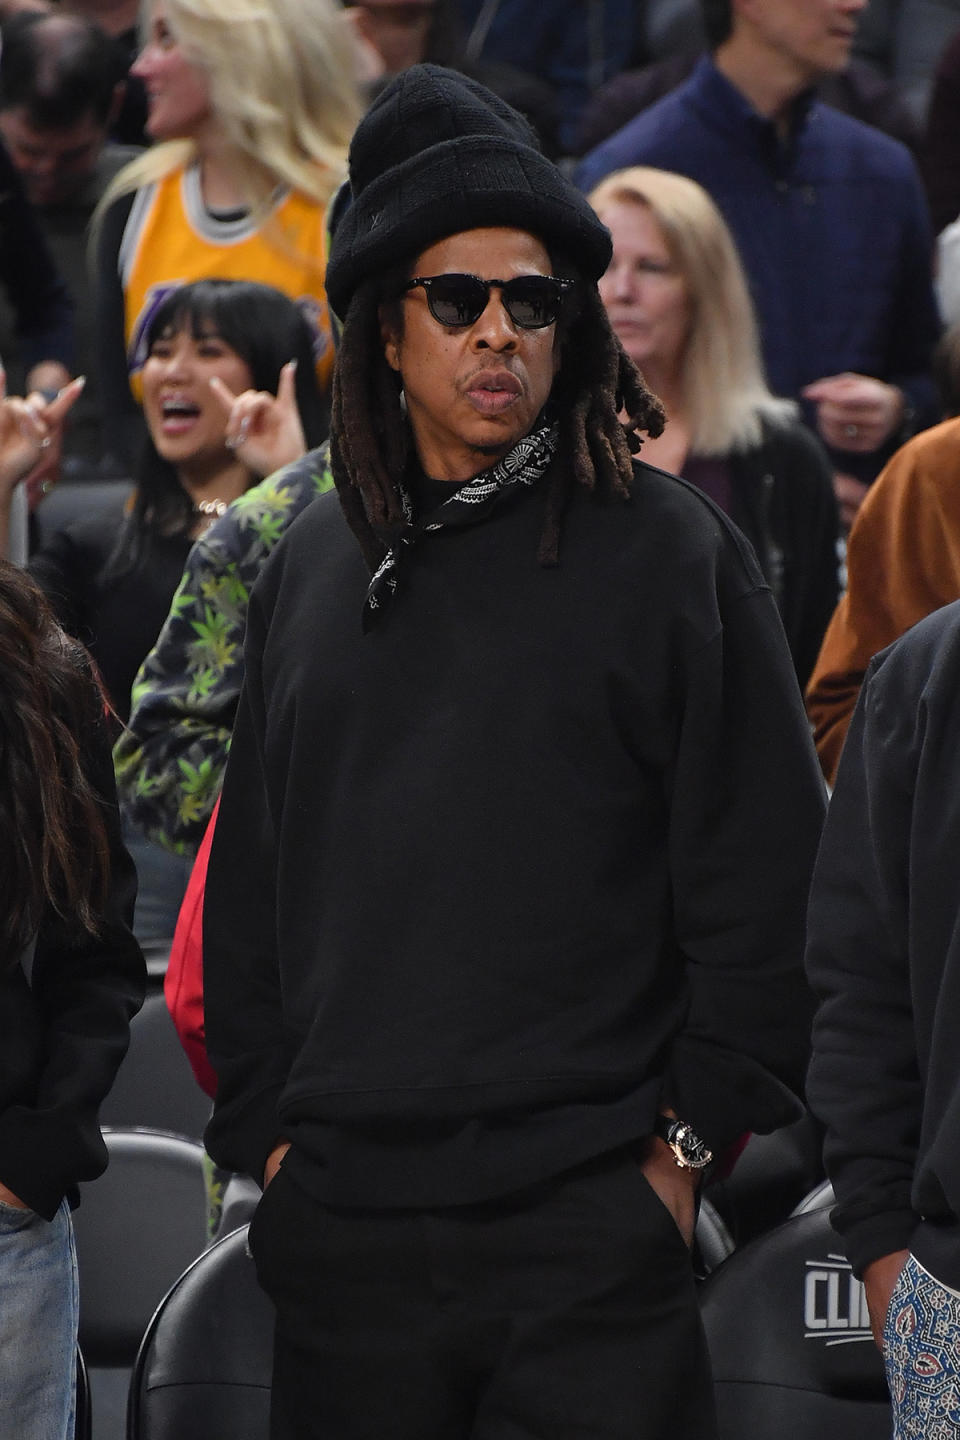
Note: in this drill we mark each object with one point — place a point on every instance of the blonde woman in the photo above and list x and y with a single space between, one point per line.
677 299
252 106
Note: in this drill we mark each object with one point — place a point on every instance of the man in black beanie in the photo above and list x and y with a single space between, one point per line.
504 916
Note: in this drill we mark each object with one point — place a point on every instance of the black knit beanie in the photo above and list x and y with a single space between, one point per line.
438 153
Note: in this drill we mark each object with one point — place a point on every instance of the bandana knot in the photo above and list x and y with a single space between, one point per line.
524 465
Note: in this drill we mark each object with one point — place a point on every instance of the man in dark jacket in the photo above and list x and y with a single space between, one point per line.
505 905
828 214
884 953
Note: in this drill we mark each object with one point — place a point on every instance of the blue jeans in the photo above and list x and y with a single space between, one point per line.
38 1325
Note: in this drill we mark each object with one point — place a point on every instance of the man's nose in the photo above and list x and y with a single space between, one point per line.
495 329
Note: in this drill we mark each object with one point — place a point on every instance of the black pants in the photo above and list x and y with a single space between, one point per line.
566 1314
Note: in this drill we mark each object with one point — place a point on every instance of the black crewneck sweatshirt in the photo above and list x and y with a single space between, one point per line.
493 881
884 956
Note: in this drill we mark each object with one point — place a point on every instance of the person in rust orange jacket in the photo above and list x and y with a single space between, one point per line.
903 561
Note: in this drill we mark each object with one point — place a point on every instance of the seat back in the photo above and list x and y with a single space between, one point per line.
771 1175
72 501
790 1341
819 1198
137 1228
82 1423
204 1368
713 1242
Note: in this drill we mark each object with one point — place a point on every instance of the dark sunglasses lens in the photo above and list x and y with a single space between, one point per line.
532 302
456 299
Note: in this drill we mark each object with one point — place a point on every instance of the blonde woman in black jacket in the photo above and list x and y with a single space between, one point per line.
677 299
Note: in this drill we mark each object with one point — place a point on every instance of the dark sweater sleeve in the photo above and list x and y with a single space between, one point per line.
864 1082
812 579
170 757
914 326
785 504
747 802
86 990
248 1042
122 420
819 584
38 296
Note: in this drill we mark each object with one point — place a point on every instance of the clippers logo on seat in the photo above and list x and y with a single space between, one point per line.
834 1303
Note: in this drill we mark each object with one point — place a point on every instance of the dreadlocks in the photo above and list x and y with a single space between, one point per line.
370 437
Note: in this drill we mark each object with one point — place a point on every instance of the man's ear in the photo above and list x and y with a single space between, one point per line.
390 339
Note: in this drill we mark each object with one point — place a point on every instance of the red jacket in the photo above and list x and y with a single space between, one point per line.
183 985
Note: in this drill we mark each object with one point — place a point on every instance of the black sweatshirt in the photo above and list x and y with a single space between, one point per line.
117 619
884 954
496 879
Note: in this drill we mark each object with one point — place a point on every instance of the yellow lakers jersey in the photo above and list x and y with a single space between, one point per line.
170 239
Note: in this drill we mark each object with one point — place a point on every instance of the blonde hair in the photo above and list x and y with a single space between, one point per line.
725 394
282 76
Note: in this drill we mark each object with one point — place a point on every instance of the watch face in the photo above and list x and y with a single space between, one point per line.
691 1148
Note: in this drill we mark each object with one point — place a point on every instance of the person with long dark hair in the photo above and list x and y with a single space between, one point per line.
71 977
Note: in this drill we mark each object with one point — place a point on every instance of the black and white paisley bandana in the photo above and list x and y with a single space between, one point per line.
529 459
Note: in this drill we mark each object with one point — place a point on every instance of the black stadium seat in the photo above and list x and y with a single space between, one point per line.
137 1228
790 1340
204 1368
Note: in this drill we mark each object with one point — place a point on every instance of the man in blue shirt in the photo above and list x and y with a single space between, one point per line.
574 48
828 214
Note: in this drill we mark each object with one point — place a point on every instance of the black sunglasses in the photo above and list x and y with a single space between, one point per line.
531 301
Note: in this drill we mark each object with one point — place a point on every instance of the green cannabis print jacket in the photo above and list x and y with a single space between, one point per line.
170 759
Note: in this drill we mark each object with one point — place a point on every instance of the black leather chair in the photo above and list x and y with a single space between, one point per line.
72 501
713 1242
137 1228
204 1368
789 1336
771 1176
819 1198
82 1424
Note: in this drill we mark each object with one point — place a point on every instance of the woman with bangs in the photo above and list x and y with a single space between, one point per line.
252 106
678 302
230 395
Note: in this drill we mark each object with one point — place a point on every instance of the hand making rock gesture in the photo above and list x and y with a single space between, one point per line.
264 429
